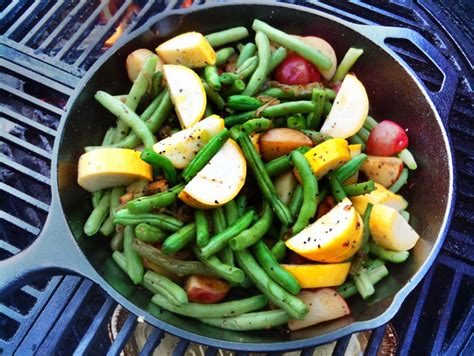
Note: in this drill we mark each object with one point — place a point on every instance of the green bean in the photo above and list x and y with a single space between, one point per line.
233 34
153 122
179 267
217 310
388 255
162 162
405 214
278 56
318 97
374 275
241 202
238 119
327 108
366 232
218 220
208 112
212 77
139 88
363 134
359 188
179 239
98 215
126 116
296 91
256 125
133 260
356 140
279 250
370 123
173 290
258 77
310 191
116 243
336 188
250 321
247 68
277 295
156 83
236 87
296 200
228 78
283 163
214 96
349 168
160 200
149 233
315 136
346 64
223 55
107 227
296 122
219 241
231 212
291 107
263 180
407 158
202 228
205 155
363 284
247 51
243 102
400 182
271 266
119 259
165 222
227 256
292 43
223 270
251 235
157 289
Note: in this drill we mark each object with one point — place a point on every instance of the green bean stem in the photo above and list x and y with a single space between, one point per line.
292 43
179 239
230 35
179 267
250 321
258 77
277 295
160 200
251 235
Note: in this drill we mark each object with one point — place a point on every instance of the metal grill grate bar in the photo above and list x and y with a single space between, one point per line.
32 99
103 32
32 148
7 247
19 223
9 8
62 25
27 14
31 291
25 197
181 348
24 120
47 17
67 46
341 346
123 336
29 172
12 314
90 336
375 340
152 342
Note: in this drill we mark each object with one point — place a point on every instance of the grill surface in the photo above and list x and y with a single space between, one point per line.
47 46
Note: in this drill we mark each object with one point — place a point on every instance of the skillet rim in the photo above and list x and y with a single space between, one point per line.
288 345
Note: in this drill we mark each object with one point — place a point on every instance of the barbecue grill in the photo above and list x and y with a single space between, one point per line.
46 47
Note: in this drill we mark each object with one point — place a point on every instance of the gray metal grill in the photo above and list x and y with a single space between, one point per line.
46 47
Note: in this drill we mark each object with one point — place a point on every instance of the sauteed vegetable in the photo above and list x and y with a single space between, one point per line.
245 183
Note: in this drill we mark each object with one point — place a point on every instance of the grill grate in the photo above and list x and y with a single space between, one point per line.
47 46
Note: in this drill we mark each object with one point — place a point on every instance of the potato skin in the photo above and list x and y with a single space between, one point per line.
279 141
206 290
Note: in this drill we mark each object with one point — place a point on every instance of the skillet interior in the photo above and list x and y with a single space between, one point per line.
393 94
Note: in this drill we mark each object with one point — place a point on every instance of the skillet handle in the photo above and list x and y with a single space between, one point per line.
442 99
53 252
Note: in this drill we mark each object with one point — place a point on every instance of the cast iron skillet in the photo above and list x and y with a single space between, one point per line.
394 92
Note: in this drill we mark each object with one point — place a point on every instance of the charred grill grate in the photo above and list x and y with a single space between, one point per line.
47 46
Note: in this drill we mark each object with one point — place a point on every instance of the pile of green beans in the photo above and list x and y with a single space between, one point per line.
232 242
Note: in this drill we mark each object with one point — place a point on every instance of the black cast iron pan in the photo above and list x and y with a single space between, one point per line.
394 92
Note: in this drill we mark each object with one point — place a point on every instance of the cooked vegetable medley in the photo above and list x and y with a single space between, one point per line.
245 184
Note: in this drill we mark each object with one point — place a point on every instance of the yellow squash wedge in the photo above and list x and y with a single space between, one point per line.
319 275
327 156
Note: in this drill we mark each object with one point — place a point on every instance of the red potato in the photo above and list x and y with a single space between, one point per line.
295 70
206 290
383 170
324 304
280 141
386 139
